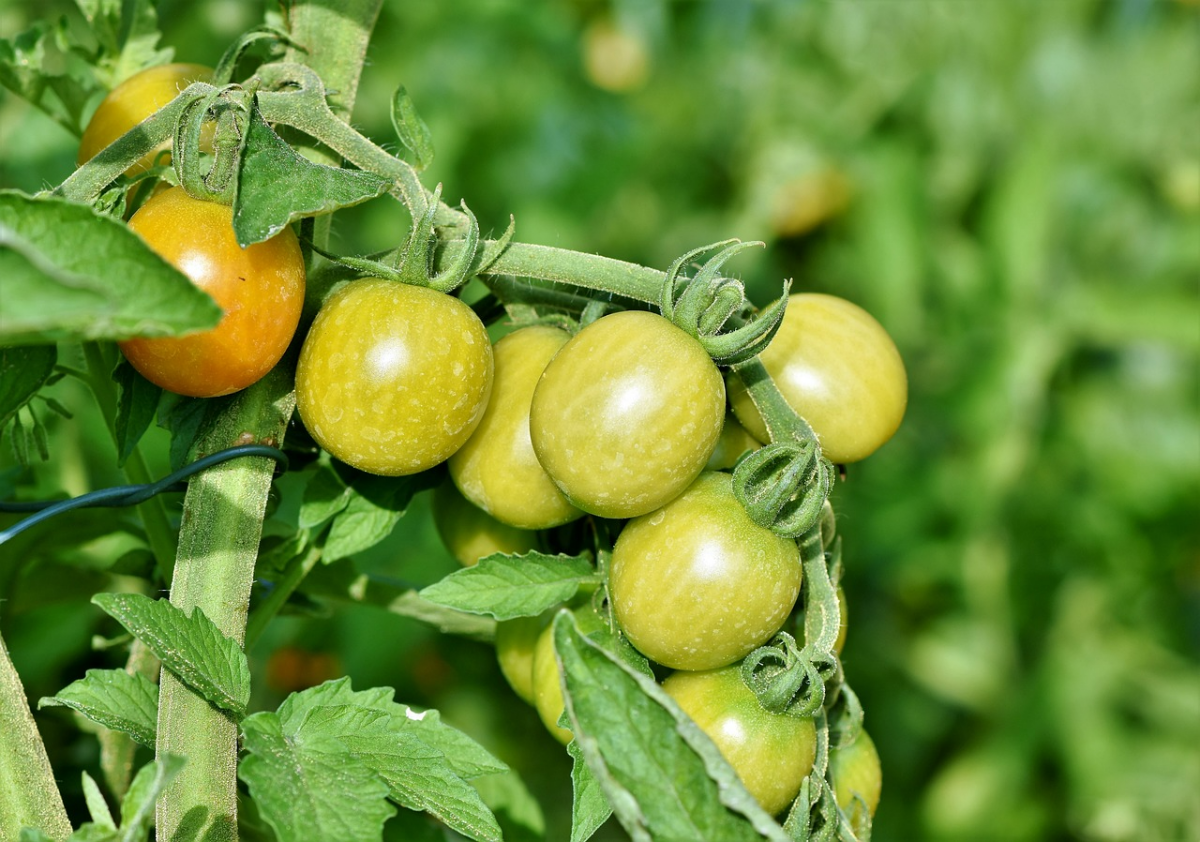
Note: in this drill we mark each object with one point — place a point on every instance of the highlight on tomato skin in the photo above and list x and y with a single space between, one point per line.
131 102
627 414
772 753
697 584
260 288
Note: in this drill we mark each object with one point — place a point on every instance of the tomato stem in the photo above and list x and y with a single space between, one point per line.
29 797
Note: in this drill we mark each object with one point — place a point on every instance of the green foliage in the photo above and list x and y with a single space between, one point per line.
115 699
1010 188
512 586
326 762
71 274
284 187
190 646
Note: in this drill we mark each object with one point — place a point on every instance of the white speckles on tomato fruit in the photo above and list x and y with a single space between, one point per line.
381 387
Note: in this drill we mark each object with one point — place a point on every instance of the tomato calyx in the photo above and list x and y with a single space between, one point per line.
230 106
788 679
706 303
783 486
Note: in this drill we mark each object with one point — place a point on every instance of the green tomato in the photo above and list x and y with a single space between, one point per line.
547 686
838 368
734 441
697 584
854 770
772 753
497 469
515 643
135 99
627 414
393 378
470 533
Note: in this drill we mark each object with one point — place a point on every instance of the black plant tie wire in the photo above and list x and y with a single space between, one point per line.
131 495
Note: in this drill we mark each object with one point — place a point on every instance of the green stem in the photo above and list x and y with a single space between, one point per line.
29 797
153 512
117 749
218 545
225 506
782 422
295 572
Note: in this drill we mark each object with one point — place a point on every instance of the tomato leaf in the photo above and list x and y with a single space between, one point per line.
72 274
307 785
137 808
35 66
128 34
277 186
22 372
411 129
372 511
387 748
192 647
507 587
663 777
324 496
137 403
589 807
114 698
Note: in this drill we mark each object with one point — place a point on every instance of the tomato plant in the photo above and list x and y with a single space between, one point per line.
626 414
771 752
696 584
841 372
131 102
261 289
393 378
605 402
497 469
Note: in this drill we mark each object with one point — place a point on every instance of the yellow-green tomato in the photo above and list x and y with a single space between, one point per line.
772 753
627 414
497 469
734 441
131 102
855 770
838 368
697 584
547 686
393 378
470 533
515 643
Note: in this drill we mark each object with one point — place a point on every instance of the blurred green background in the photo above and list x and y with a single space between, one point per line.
1012 188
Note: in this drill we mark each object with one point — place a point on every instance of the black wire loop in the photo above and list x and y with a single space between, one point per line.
131 495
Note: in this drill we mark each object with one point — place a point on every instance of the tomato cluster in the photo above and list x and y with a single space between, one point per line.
627 422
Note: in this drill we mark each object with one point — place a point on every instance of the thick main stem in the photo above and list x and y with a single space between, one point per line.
225 506
218 545
29 796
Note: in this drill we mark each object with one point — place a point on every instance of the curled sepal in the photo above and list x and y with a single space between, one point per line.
416 266
814 816
787 679
845 718
223 73
411 129
705 303
752 338
783 486
216 183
